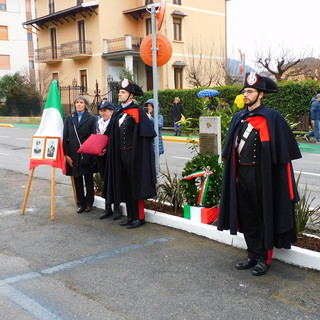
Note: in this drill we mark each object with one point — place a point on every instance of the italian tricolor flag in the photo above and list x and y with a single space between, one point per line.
51 125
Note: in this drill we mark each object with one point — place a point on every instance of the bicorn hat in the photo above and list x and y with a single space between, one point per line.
255 81
125 84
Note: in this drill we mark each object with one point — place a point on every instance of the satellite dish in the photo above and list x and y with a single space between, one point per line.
160 14
164 51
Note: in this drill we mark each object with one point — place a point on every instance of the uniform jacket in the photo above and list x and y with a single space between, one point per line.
143 173
279 147
82 164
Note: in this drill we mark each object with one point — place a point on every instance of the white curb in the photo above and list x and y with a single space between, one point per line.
296 256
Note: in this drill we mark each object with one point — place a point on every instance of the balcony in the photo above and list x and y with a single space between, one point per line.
127 45
48 55
138 11
78 49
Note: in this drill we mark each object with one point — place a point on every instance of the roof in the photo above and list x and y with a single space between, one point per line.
85 9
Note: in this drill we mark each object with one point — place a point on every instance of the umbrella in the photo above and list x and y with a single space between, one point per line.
207 93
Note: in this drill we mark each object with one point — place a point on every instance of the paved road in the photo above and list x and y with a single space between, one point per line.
79 267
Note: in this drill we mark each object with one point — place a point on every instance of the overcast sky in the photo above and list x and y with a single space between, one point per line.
252 24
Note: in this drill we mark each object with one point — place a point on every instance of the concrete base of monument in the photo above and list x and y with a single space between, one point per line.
296 256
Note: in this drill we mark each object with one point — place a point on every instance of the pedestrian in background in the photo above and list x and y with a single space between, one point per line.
78 126
150 113
106 110
259 189
315 119
176 113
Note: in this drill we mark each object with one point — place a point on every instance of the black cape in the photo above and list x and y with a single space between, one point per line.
143 172
276 156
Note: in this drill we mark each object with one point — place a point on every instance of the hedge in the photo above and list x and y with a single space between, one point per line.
292 100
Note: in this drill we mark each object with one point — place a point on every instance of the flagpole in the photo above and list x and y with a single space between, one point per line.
26 196
74 190
53 182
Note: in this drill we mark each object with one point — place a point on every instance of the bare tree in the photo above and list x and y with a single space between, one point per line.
203 68
282 65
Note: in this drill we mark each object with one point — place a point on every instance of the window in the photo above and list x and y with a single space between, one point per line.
178 78
55 76
53 36
83 80
31 63
51 7
177 22
82 38
3 5
176 2
29 34
3 32
148 26
4 61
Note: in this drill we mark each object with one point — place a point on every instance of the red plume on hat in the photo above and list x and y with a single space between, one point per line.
255 81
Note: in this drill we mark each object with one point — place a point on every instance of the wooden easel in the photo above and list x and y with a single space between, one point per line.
53 184
45 148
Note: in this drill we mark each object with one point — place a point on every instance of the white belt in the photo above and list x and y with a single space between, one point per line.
244 137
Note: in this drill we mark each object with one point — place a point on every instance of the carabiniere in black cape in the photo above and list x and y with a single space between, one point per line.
143 173
276 156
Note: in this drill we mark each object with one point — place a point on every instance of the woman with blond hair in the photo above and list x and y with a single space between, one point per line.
176 113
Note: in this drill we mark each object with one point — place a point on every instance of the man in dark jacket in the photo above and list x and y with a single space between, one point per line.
315 119
259 190
130 173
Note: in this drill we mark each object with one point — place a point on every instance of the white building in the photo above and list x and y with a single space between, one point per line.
16 42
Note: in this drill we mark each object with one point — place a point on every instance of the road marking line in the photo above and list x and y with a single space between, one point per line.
27 304
34 308
313 154
5 154
101 256
26 139
7 212
308 173
184 158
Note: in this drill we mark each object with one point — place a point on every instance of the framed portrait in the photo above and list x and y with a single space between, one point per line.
37 148
51 148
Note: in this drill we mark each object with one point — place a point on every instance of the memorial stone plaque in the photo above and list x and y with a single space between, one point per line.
210 135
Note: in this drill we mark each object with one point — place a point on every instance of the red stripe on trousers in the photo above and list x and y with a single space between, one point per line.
270 253
141 209
290 181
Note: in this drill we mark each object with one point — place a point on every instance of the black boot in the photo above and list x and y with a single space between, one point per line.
117 214
106 213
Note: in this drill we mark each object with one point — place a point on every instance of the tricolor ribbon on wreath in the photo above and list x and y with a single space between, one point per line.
205 173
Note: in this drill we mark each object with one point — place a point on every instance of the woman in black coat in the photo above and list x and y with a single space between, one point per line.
78 126
176 113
